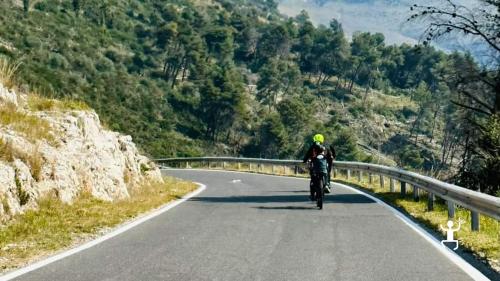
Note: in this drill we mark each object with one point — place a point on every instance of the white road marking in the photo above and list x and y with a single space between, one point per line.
101 239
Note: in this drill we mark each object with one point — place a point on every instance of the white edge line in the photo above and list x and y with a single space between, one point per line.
101 239
454 257
451 255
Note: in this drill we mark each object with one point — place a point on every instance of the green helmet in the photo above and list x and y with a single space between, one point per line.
319 138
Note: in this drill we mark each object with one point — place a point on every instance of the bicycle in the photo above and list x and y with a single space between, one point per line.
318 183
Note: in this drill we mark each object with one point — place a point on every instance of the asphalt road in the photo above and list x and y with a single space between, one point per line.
261 228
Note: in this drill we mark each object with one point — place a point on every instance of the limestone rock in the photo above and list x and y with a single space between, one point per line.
84 157
7 96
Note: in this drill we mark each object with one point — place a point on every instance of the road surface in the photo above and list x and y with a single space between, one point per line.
256 227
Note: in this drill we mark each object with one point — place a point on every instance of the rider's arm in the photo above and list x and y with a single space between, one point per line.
329 160
332 150
308 154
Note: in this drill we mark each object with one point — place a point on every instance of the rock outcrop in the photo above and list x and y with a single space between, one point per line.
81 156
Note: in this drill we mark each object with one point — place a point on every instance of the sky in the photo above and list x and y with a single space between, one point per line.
358 15
385 16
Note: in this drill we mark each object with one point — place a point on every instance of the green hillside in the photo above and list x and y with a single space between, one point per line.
188 78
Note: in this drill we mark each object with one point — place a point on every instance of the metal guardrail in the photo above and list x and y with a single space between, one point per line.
476 202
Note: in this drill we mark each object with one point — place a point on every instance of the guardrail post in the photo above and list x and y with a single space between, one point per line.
223 165
239 166
451 209
474 221
208 162
335 172
348 174
370 178
360 176
430 201
382 183
272 169
391 185
296 170
416 198
187 165
250 166
403 189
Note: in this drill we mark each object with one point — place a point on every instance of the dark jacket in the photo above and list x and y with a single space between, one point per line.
312 152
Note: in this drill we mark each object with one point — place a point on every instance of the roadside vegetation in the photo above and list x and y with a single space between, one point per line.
56 226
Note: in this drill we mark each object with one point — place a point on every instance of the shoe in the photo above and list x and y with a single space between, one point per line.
327 189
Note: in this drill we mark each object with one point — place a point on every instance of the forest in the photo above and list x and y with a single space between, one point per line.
234 77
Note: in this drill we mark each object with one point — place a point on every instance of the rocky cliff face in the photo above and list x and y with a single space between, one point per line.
63 151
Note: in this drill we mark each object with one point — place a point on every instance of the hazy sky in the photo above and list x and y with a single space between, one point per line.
385 16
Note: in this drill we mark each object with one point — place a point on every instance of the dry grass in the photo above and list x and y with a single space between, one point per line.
57 225
38 103
379 100
33 158
7 72
32 127
7 151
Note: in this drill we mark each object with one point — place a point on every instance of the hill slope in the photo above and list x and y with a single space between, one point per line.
187 78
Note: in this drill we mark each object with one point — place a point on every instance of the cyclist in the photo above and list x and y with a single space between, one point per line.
314 150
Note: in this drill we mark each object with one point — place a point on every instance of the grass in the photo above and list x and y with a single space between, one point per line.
57 225
7 72
33 158
7 151
32 127
38 103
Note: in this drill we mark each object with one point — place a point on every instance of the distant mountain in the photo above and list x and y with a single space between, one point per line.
384 16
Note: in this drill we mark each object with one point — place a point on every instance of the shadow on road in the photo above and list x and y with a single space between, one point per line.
293 191
330 198
286 208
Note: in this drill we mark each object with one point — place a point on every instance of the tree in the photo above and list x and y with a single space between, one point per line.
366 50
477 88
277 78
220 43
221 100
450 17
482 24
77 5
273 138
26 6
346 147
274 42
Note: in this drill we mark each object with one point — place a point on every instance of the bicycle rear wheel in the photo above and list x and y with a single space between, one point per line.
320 193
